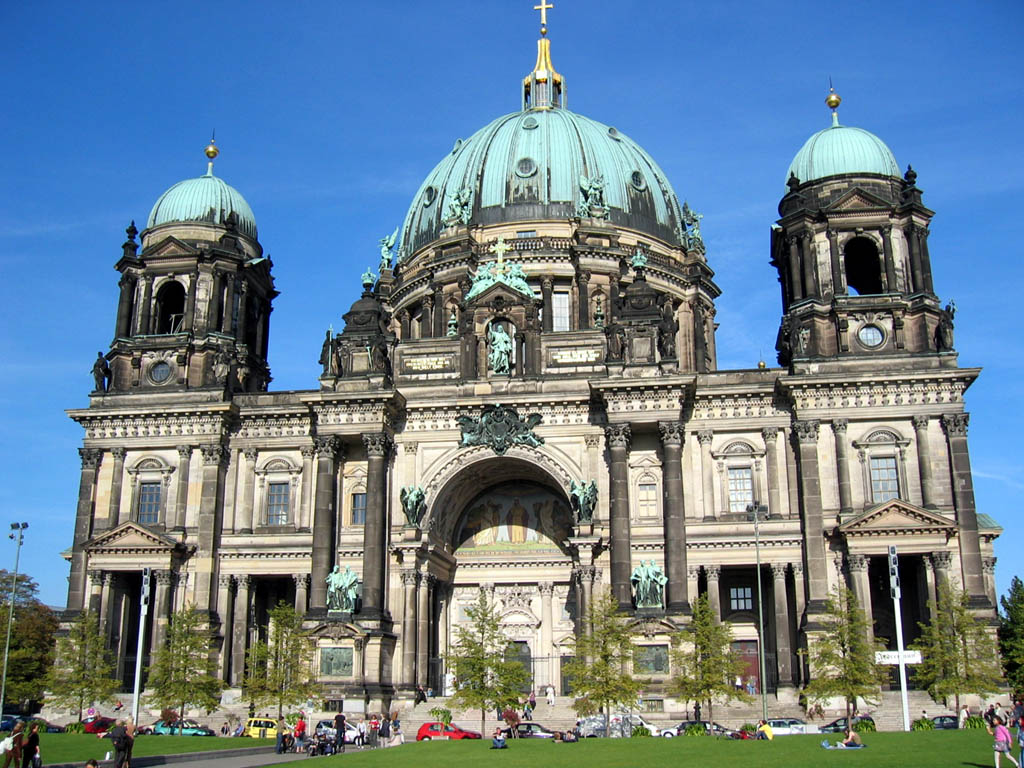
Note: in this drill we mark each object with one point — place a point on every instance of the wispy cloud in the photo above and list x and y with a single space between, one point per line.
1013 482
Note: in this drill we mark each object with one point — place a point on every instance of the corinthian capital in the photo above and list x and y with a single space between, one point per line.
671 433
806 430
377 443
955 424
618 435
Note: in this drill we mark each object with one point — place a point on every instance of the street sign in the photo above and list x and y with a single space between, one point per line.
893 657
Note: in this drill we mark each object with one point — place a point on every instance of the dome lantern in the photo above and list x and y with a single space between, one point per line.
543 88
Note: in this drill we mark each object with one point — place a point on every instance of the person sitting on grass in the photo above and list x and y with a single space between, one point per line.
764 731
498 739
852 740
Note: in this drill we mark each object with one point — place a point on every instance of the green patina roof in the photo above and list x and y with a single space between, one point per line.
528 165
841 149
206 198
988 523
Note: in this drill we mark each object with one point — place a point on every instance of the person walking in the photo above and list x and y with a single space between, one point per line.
964 713
300 733
384 732
129 727
1002 741
119 738
533 701
360 740
30 755
421 695
551 695
339 731
279 743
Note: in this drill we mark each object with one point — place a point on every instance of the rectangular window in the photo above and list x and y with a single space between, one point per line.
149 503
650 660
885 483
525 233
336 662
647 499
560 311
358 509
741 599
741 488
277 504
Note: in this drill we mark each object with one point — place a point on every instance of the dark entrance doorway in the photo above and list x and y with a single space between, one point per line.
520 651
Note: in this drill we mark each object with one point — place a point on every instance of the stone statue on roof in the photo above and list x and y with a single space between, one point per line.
386 244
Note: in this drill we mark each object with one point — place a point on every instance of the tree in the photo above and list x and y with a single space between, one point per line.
842 655
280 672
958 652
83 673
487 678
32 639
602 656
1011 636
705 664
182 674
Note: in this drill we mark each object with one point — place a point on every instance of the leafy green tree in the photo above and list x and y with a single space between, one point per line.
958 652
33 636
704 662
1011 636
183 672
83 673
842 656
487 678
599 669
280 672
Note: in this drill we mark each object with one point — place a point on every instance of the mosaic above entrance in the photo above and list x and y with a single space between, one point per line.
514 517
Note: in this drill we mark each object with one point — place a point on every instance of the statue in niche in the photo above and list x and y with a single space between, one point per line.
648 583
453 325
616 341
803 338
380 362
944 333
221 367
592 202
101 373
584 499
341 590
413 500
499 357
667 328
386 244
460 207
327 357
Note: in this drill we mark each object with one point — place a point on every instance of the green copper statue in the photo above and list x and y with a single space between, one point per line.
648 582
584 499
639 259
499 357
413 504
341 590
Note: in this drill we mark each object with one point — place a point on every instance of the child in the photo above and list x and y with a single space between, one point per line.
1002 741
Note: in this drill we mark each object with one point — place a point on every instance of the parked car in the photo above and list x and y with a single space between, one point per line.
621 725
530 731
713 729
97 725
945 723
326 728
45 726
261 728
839 724
785 726
183 728
430 731
7 722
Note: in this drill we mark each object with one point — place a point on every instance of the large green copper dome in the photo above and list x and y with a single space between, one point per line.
529 165
205 198
842 149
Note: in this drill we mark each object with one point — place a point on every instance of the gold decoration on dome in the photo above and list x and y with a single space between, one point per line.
211 150
833 99
544 7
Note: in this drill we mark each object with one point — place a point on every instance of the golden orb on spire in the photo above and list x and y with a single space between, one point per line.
832 100
211 150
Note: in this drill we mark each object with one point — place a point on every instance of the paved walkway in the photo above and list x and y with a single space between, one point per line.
249 761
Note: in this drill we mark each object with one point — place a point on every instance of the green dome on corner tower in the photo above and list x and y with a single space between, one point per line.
842 149
205 198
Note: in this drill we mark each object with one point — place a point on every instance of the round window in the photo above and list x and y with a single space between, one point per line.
870 335
526 167
530 123
638 181
429 195
614 133
160 371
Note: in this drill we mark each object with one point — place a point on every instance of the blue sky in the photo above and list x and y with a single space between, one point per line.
329 115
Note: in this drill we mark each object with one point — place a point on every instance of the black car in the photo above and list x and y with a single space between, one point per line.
529 731
839 725
945 723
712 729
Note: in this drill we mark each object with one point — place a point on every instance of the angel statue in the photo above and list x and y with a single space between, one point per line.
386 244
593 196
413 505
584 499
460 208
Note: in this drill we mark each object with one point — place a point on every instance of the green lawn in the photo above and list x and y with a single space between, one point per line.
884 750
75 747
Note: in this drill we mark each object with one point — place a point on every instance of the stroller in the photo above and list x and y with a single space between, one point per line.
322 744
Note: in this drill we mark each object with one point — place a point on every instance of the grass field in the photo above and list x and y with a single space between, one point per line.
75 747
884 750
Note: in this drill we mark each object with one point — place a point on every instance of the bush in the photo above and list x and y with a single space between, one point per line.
639 730
922 724
77 727
695 729
974 721
441 714
748 728
864 726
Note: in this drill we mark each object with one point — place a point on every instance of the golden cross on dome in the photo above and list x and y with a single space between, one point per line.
501 248
544 7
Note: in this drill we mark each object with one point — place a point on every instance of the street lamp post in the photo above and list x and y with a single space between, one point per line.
18 534
754 511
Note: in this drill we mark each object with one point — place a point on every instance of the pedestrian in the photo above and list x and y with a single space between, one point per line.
551 695
397 737
696 711
374 726
119 738
31 757
360 740
129 728
279 743
421 695
989 715
533 701
962 717
300 732
384 732
1002 741
339 731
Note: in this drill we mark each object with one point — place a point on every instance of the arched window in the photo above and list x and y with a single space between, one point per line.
170 307
863 267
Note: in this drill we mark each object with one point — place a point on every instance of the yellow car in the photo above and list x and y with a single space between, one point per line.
262 728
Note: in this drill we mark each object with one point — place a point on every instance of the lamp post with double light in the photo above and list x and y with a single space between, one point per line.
18 534
754 511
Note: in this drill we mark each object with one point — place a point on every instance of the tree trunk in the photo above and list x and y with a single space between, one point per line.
483 717
849 715
711 712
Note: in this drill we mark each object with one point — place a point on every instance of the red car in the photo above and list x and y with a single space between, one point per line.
430 731
99 725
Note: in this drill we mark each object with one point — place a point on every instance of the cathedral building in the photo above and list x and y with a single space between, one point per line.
525 400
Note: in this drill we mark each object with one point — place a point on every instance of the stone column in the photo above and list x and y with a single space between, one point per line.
799 588
324 535
890 264
943 564
930 580
618 437
796 291
375 531
707 472
810 262
246 515
91 458
813 527
305 513
427 317
301 592
547 623
181 498
405 324
836 264
926 262
116 483
161 607
188 322
227 322
216 300
910 233
955 425
124 307
676 596
240 627
858 565
771 459
439 316
843 465
96 593
713 573
583 291
241 326
147 305
443 606
989 564
409 579
227 618
924 461
587 573
423 624
547 312
783 646
692 574
208 534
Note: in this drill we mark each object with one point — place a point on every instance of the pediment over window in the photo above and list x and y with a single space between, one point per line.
132 538
499 295
337 630
897 517
858 199
170 246
519 617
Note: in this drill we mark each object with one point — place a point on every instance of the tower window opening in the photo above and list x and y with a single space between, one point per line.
560 311
170 307
885 482
149 503
863 267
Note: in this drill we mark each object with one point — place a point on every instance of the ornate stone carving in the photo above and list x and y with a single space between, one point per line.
672 433
213 454
91 457
409 578
770 434
226 580
326 446
989 565
184 452
779 570
410 448
592 441
584 499
96 578
546 588
413 500
693 571
499 427
301 580
586 573
515 597
839 426
377 443
705 436
955 424
857 563
806 430
308 452
119 453
618 435
167 578
713 571
942 561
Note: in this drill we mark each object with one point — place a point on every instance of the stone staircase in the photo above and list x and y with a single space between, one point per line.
888 715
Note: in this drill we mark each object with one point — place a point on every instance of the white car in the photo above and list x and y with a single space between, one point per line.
622 725
327 727
785 726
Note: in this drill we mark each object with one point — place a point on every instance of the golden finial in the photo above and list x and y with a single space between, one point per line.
544 7
833 101
211 152
761 365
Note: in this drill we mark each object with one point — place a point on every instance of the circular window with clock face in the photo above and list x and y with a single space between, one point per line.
871 336
160 372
